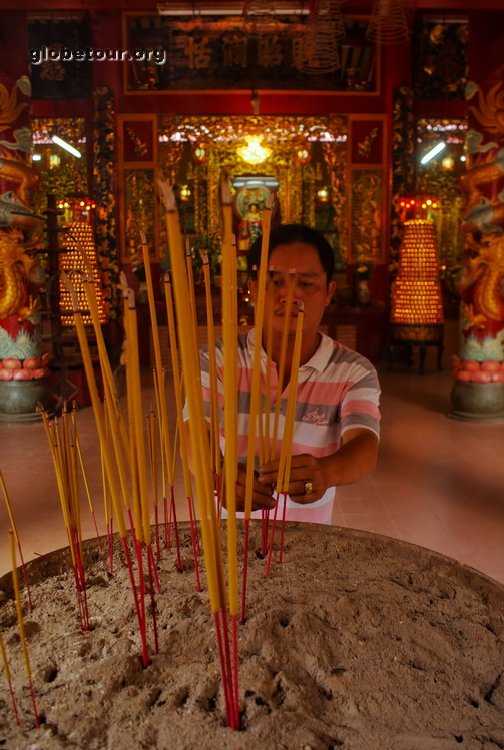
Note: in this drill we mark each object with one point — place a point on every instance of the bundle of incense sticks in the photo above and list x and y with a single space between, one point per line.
62 438
108 423
203 440
201 458
123 439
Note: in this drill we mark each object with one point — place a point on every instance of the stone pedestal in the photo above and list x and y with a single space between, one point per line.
477 401
19 399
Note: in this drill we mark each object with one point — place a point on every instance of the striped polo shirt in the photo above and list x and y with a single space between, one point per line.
338 390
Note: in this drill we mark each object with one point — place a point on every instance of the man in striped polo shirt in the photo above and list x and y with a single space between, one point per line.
336 431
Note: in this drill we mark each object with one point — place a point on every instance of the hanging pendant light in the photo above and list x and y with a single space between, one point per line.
388 23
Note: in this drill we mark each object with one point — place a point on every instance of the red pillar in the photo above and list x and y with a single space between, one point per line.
478 391
22 368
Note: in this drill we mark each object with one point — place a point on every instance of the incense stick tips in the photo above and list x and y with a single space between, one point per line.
225 187
130 295
167 194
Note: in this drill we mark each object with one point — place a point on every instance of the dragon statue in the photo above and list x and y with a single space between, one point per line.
481 280
16 275
23 368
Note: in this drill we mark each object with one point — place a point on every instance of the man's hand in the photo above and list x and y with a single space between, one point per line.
262 494
307 481
310 477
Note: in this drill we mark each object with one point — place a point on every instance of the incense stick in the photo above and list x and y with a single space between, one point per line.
19 611
16 536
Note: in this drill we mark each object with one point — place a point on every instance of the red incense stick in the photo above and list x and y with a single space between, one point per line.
141 622
175 528
194 542
246 526
166 522
150 558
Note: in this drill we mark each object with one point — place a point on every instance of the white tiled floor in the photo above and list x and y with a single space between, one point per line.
439 483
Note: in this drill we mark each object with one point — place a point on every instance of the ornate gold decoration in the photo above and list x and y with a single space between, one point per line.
9 108
335 157
364 147
219 137
15 269
366 219
139 146
139 202
480 283
490 110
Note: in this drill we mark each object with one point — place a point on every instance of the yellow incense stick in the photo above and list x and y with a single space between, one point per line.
142 513
163 410
197 428
230 345
51 432
19 609
212 368
177 384
190 282
160 429
5 661
107 376
130 389
290 414
97 408
62 482
113 414
255 395
9 507
283 356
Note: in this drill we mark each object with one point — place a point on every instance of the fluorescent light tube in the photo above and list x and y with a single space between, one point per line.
63 144
433 152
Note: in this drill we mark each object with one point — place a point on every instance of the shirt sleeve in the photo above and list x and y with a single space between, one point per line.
361 402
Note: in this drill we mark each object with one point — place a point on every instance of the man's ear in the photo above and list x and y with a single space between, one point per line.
331 288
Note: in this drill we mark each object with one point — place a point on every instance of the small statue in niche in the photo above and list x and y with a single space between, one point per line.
250 227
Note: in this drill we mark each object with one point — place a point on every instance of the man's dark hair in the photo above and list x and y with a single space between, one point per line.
288 234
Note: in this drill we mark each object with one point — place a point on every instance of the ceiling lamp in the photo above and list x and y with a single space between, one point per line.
388 23
254 152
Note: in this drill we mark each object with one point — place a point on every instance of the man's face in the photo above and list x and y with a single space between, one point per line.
309 285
